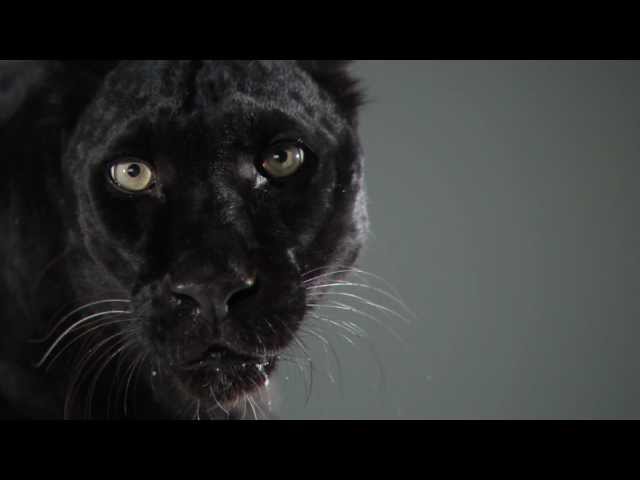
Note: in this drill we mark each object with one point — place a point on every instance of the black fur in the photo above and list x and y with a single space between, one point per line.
69 237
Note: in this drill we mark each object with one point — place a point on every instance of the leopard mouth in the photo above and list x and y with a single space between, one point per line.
220 357
222 375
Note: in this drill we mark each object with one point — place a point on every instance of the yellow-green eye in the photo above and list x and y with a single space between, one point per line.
132 175
282 160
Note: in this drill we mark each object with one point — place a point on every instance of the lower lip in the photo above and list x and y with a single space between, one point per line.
231 378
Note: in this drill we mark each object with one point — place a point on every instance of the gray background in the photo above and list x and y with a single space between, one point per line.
503 199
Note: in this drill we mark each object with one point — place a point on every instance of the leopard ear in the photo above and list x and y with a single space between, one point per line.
334 77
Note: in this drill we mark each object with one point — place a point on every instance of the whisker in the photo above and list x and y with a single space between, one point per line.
324 286
311 368
362 285
70 314
325 344
129 357
253 408
382 378
83 334
356 272
345 325
344 307
382 386
80 371
136 379
261 411
297 339
124 343
123 367
218 402
370 303
116 385
135 365
263 399
346 269
296 361
128 375
244 407
315 334
69 329
106 354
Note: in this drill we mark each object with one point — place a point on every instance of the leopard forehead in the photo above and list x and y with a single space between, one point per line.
148 91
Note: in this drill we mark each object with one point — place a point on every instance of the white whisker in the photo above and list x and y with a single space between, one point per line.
356 272
253 408
135 365
70 314
83 334
370 303
362 285
325 346
122 344
80 370
69 329
342 306
345 325
213 395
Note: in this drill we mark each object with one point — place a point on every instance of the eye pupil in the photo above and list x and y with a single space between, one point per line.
282 160
132 175
133 170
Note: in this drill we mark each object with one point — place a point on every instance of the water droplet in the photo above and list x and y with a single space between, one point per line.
154 373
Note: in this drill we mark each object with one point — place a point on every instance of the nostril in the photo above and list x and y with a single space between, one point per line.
245 292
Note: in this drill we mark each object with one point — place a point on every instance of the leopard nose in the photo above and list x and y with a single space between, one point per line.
214 301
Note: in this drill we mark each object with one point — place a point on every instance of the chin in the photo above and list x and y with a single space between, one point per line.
222 386
222 375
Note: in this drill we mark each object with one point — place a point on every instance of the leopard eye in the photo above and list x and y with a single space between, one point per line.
132 175
282 160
